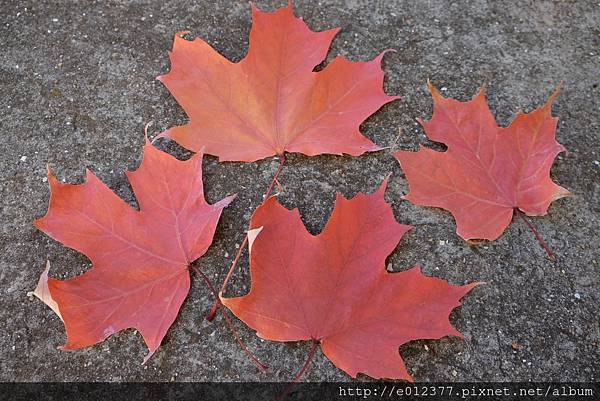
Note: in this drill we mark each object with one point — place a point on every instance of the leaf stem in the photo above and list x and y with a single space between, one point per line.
309 358
213 310
229 323
537 236
274 180
210 316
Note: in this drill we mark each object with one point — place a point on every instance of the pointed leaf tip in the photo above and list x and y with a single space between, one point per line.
380 56
554 95
435 94
149 355
481 93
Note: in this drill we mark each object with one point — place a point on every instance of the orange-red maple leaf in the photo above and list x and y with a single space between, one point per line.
488 171
139 276
271 101
333 288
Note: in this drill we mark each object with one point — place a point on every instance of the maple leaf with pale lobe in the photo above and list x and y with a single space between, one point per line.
139 276
333 288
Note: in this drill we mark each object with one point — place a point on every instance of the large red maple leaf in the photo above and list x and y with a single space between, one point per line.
488 171
139 276
333 288
272 101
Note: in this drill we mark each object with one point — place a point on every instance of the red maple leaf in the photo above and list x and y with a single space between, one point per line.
139 276
272 101
488 171
333 288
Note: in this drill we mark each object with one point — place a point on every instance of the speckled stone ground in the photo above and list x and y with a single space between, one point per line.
78 85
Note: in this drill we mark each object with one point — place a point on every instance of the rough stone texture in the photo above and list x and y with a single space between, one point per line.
78 85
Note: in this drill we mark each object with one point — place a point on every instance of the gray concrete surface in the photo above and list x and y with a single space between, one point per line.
78 85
